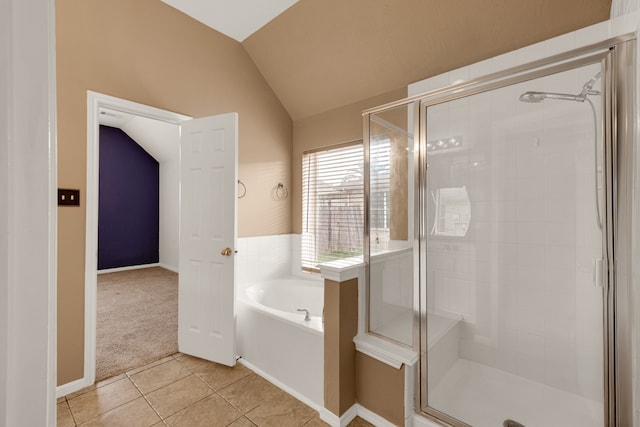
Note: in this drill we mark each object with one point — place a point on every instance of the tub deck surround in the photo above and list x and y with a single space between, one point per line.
341 326
275 340
363 375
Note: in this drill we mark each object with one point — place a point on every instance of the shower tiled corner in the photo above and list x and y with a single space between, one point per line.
181 390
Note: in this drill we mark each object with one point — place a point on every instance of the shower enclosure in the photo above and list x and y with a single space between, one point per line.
499 241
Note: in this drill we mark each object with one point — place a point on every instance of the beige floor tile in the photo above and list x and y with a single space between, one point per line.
159 376
250 391
242 422
316 422
92 387
212 411
61 399
359 422
64 418
150 365
178 395
283 411
216 375
136 413
102 399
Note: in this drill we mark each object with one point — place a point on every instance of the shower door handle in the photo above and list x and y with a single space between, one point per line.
598 280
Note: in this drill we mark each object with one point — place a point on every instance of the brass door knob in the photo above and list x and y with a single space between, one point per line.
226 252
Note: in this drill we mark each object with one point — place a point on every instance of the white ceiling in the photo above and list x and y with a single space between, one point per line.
160 139
237 19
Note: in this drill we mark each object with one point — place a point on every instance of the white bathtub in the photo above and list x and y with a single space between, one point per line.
283 297
275 340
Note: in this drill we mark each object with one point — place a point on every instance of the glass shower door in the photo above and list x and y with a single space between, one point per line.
512 206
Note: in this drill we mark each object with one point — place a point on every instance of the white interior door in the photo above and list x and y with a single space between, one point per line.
206 313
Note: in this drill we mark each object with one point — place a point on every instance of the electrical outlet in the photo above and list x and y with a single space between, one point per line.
68 197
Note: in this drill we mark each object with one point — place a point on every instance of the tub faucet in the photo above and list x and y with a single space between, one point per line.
306 313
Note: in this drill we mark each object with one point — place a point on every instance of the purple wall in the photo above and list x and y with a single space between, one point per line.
128 220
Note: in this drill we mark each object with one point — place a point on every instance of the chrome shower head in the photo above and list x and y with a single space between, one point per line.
534 97
587 89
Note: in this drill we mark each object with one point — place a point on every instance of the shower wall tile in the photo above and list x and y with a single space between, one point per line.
504 61
532 53
530 164
458 75
263 258
531 233
430 84
625 24
560 44
480 69
561 233
593 34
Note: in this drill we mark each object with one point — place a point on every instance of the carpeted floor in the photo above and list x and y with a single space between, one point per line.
137 319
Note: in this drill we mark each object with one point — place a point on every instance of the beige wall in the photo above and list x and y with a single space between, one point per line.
340 326
329 128
148 52
380 388
351 376
321 54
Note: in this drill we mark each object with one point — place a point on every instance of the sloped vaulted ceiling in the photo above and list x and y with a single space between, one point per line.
322 54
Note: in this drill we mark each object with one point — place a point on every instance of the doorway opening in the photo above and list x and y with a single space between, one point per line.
128 285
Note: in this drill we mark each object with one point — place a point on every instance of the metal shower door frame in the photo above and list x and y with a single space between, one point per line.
617 62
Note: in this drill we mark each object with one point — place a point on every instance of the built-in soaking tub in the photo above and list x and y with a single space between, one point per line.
275 339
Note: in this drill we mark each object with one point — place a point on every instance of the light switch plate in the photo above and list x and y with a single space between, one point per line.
68 197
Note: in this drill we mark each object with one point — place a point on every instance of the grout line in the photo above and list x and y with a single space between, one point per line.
146 400
115 407
73 418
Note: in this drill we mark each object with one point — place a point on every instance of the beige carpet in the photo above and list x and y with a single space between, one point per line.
137 319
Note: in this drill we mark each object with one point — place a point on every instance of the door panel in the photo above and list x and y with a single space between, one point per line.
514 305
208 159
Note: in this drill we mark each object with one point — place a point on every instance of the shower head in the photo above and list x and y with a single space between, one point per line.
534 97
587 89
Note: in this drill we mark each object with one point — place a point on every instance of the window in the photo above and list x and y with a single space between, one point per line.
332 204
380 191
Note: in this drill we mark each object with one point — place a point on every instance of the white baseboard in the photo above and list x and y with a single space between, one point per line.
168 267
131 267
325 415
64 389
284 387
356 410
335 421
372 417
329 417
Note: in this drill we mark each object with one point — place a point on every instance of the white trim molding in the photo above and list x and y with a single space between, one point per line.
356 410
130 267
385 351
28 180
342 270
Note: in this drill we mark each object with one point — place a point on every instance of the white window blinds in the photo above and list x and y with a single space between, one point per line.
332 204
380 191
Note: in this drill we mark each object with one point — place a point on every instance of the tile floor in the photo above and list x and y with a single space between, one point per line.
181 390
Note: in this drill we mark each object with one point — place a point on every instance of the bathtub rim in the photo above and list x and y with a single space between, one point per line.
315 325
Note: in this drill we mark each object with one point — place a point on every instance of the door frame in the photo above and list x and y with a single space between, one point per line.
95 101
